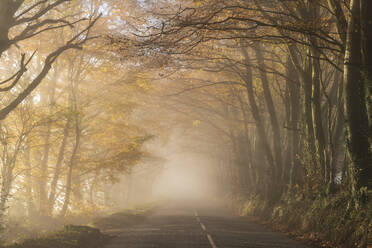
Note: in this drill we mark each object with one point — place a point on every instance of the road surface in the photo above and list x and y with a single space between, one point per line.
187 226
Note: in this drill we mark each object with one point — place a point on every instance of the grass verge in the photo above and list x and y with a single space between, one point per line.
324 221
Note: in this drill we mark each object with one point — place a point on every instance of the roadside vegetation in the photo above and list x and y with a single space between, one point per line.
70 236
94 234
326 222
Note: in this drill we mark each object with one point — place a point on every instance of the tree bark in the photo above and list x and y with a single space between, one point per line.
294 94
272 112
317 113
28 180
71 165
57 168
366 28
43 180
249 161
271 171
356 106
336 8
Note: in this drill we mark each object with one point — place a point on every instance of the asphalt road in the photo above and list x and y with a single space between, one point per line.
184 225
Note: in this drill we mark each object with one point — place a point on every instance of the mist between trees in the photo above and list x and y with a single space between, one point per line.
100 98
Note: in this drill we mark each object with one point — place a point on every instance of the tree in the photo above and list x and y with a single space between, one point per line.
359 146
313 33
31 19
13 136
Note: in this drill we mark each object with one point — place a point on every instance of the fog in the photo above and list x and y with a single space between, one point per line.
181 172
186 176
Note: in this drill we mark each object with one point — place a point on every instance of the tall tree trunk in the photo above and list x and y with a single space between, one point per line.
8 163
71 165
271 171
294 91
366 23
28 180
359 147
43 180
57 168
288 133
317 113
308 108
7 9
272 112
77 189
249 162
336 122
44 171
336 7
6 181
304 73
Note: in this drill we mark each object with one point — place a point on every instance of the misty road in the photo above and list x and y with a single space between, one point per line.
182 225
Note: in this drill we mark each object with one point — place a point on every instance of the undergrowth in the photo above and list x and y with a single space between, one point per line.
334 221
74 231
70 236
